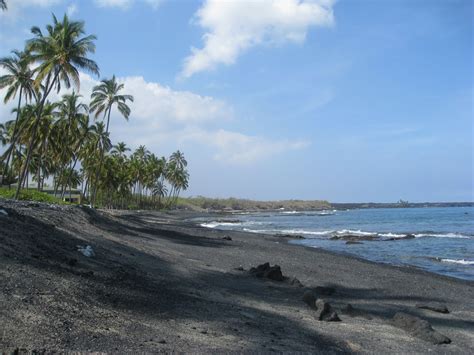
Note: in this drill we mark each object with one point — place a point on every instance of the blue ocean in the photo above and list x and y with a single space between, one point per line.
439 240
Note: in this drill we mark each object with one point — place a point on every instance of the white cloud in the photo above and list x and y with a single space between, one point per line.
233 27
238 148
154 101
72 10
161 114
16 6
125 4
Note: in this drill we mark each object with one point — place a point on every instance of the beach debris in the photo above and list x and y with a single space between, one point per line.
227 237
324 311
86 250
419 328
433 306
270 272
3 212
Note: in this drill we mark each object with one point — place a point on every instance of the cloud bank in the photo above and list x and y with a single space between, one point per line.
161 114
232 27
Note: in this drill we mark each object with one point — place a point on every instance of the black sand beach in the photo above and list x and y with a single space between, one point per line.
157 283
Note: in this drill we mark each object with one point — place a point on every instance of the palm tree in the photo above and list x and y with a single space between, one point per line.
72 114
18 80
43 131
60 53
103 144
3 5
120 149
178 159
104 97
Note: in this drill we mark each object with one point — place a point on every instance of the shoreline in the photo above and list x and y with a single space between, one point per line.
160 283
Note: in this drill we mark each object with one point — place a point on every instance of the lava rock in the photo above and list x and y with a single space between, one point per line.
419 328
267 271
324 311
274 273
296 282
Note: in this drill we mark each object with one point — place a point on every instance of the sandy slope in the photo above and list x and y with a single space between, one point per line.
159 284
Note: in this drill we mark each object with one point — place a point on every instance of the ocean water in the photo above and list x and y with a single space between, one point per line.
441 240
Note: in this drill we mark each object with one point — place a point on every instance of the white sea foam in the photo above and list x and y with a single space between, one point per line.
216 224
219 224
288 231
325 213
355 232
392 235
302 231
443 235
458 261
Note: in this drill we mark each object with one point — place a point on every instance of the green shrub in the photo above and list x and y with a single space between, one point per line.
31 195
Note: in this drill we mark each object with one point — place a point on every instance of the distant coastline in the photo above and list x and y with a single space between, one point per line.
203 204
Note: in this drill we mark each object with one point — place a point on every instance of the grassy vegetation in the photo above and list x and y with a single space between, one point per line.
30 195
200 202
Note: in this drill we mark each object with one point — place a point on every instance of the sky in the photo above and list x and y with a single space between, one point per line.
347 101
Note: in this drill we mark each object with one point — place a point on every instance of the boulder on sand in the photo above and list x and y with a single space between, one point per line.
296 282
267 271
419 328
324 311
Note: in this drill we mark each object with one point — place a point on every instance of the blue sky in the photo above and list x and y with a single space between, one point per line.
308 99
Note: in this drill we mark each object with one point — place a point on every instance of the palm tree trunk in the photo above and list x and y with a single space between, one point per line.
100 162
5 168
49 86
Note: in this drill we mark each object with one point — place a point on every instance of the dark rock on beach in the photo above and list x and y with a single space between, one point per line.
433 306
227 237
324 311
266 271
296 282
419 328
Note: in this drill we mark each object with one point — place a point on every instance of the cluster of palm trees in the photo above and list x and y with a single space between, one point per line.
68 142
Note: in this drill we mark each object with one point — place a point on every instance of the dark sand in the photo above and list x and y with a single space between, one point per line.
157 284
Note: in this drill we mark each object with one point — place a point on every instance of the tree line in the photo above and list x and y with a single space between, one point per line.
68 141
